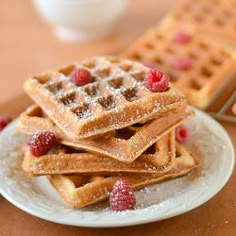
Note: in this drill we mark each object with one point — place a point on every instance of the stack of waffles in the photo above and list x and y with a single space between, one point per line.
182 45
111 128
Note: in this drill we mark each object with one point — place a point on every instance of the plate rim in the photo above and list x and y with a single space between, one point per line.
148 218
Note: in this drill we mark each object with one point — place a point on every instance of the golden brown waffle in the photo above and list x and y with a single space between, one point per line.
216 18
124 145
117 98
212 66
158 158
80 190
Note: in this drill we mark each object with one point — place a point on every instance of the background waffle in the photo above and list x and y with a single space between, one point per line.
212 66
216 18
81 190
158 158
117 98
124 145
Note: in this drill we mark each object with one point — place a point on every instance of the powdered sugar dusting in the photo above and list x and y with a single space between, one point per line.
119 83
206 139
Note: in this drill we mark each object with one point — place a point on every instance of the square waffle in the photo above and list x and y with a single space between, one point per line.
212 66
116 99
217 18
125 144
158 158
81 190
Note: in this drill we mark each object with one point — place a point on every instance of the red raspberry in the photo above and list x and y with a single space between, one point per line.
81 77
157 81
122 196
181 134
181 37
182 63
40 143
4 121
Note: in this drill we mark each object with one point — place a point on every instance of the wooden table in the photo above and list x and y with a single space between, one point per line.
28 47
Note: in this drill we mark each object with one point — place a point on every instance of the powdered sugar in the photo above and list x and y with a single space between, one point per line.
206 139
118 81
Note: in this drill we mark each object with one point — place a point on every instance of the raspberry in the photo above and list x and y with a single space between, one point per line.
182 63
181 134
40 143
81 77
4 121
122 196
181 37
157 81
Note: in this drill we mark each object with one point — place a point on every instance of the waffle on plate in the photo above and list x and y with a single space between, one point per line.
115 99
126 144
82 190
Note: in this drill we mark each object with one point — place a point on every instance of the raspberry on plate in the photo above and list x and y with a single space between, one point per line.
81 77
181 134
182 63
122 196
40 143
181 37
156 81
4 121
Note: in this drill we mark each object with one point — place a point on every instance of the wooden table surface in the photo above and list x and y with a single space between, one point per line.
28 47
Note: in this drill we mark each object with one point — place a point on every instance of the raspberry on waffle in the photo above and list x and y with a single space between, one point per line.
197 66
83 190
124 145
116 97
41 142
159 158
216 18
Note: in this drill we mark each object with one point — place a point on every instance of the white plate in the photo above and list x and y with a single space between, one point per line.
34 195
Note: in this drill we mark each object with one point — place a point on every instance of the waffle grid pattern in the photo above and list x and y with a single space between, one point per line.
117 98
216 17
109 90
211 65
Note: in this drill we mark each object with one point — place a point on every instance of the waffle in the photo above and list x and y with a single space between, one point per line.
116 99
124 145
212 66
158 158
217 18
80 190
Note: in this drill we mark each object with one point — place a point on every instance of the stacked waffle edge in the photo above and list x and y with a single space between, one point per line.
111 128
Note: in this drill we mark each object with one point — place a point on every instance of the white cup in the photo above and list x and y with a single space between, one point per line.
81 20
